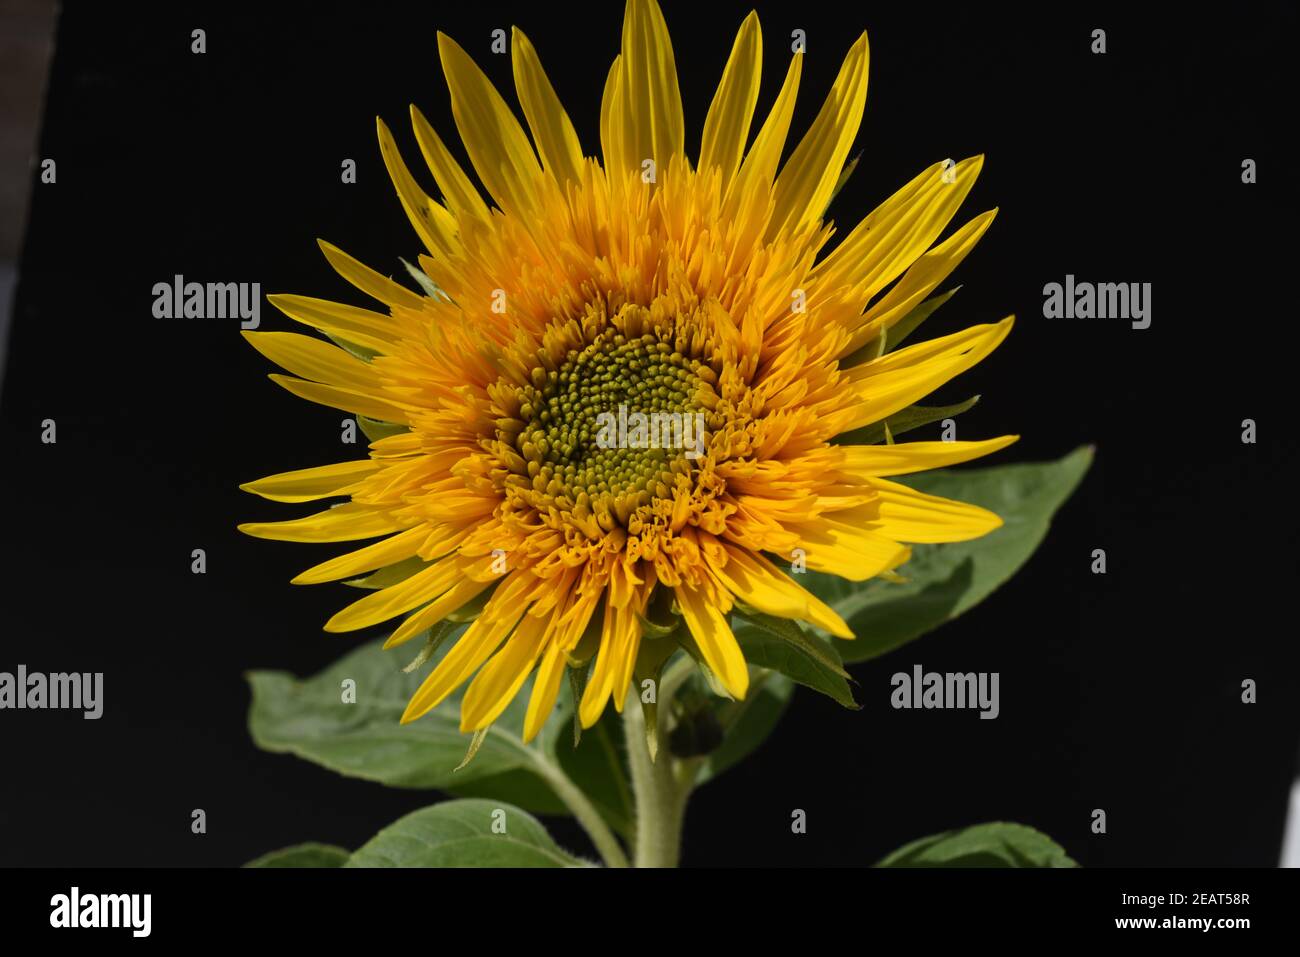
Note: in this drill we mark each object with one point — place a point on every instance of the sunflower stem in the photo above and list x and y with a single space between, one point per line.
607 845
660 793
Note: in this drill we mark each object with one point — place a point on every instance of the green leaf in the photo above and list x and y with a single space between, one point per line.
303 855
945 581
905 420
748 722
521 787
781 645
469 833
791 632
307 718
984 845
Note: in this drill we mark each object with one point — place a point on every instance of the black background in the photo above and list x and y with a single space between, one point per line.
1119 692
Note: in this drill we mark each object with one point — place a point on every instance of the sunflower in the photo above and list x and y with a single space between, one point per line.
635 287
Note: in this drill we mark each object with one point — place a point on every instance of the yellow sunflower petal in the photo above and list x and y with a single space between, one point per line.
619 639
726 128
497 683
804 187
761 585
463 200
314 359
713 636
616 156
900 378
367 280
758 170
361 326
452 600
911 516
553 131
755 587
357 401
900 230
431 220
391 550
497 145
473 648
546 688
902 458
392 601
308 485
919 280
651 98
343 523
848 549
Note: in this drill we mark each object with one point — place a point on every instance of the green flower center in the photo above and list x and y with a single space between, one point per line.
617 418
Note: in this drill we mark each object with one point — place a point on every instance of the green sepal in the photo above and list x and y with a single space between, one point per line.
889 339
577 685
375 430
900 330
475 743
428 285
434 638
361 352
654 630
474 607
845 173
904 420
650 659
390 574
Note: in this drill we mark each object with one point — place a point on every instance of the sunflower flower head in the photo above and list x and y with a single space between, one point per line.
625 393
